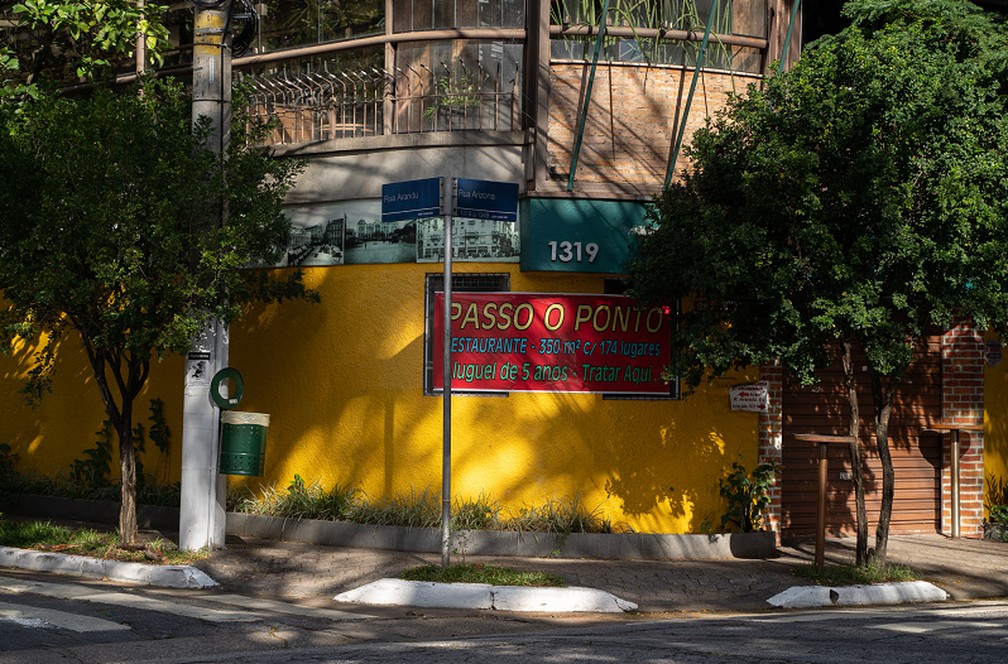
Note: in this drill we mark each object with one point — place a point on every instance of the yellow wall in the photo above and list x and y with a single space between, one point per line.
49 437
342 381
996 420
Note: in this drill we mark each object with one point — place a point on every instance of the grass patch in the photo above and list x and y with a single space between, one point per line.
496 576
301 500
849 575
561 516
46 536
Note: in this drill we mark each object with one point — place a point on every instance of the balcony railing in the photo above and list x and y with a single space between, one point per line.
320 105
323 105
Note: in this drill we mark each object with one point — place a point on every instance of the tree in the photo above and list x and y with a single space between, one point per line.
103 231
69 40
856 200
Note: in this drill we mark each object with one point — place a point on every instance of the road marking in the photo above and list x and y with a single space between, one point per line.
785 619
276 606
84 594
975 617
38 618
249 605
937 626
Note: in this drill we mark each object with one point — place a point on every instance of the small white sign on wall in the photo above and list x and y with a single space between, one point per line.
752 397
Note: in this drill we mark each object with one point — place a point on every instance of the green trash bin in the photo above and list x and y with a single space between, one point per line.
243 443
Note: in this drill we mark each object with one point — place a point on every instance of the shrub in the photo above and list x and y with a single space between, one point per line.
747 496
417 510
996 499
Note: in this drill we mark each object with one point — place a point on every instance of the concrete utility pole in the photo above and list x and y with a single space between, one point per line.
202 515
141 48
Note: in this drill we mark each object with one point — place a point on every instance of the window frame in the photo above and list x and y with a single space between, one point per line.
469 282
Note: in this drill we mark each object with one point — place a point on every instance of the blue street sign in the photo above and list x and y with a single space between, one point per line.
411 199
485 199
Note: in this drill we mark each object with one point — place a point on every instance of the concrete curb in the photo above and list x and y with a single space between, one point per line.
597 546
426 594
164 576
805 597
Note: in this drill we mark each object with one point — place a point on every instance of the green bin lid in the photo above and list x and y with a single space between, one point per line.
227 403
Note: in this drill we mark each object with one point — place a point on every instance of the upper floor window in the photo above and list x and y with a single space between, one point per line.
416 15
644 30
288 23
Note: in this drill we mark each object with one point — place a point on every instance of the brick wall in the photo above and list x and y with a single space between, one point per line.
963 405
771 428
631 123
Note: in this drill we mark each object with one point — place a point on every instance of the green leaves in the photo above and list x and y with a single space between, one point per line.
859 196
109 222
85 37
746 495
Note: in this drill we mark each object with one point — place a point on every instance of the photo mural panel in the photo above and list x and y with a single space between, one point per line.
352 233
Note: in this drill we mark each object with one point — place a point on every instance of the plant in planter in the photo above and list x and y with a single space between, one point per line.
747 496
455 94
996 503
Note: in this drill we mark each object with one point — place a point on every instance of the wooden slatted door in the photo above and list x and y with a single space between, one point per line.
823 408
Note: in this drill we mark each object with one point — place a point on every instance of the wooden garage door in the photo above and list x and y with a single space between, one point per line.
823 408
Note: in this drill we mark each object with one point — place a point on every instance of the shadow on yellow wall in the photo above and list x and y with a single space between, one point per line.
48 437
343 384
996 419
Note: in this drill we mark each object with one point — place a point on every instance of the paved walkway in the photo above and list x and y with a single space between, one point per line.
966 569
316 573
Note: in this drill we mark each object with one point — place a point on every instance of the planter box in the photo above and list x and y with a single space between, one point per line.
996 532
633 546
94 511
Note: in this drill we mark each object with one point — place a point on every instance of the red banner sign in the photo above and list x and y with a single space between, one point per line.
537 342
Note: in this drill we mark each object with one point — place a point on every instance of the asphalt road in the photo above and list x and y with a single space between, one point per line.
48 620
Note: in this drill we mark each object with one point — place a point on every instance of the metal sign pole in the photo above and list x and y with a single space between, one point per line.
429 198
448 206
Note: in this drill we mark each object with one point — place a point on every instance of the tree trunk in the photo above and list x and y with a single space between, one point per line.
128 529
136 376
885 393
857 456
130 374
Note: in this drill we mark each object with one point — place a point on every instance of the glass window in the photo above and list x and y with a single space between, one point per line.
452 85
746 18
444 14
416 15
460 283
289 23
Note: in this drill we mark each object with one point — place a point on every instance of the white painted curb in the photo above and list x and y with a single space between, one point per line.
803 597
165 576
397 592
558 600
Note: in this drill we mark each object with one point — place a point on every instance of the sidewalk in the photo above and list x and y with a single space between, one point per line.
315 574
294 571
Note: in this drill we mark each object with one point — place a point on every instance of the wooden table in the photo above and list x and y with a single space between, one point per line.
942 428
823 440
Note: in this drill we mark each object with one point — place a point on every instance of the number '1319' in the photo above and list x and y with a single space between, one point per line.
565 251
